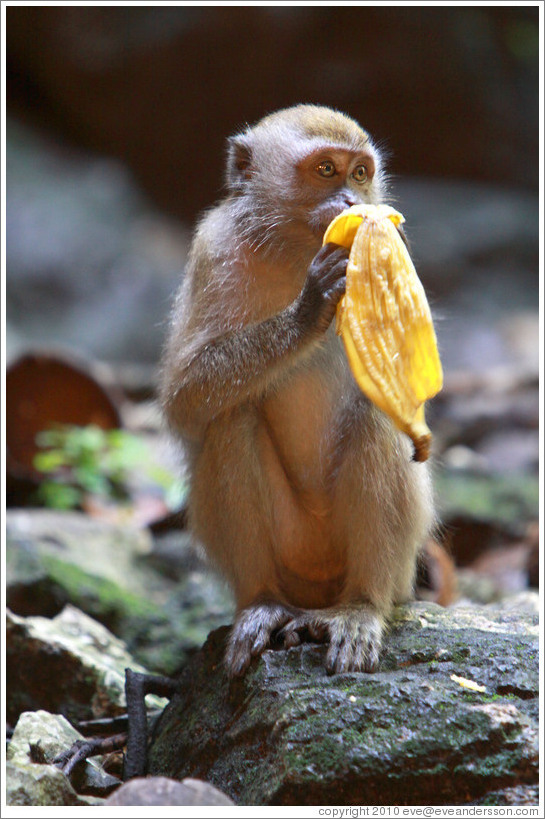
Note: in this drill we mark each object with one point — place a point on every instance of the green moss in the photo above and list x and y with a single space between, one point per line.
97 596
497 697
507 499
153 635
326 756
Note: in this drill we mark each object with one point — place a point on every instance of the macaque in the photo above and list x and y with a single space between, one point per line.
303 494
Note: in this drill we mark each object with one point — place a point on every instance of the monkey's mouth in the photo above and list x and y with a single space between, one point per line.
322 216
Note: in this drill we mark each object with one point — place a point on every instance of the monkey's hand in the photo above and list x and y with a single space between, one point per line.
354 632
252 633
324 287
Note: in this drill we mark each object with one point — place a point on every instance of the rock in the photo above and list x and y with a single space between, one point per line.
498 500
512 451
488 522
112 572
519 795
39 785
159 790
29 587
80 223
70 665
39 737
478 266
93 546
526 601
44 389
410 734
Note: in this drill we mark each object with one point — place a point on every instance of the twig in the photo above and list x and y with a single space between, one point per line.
137 685
84 748
106 725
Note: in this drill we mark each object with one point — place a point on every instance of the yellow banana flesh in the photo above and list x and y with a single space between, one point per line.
384 320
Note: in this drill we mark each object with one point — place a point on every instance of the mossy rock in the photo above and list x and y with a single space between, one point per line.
506 500
410 734
107 571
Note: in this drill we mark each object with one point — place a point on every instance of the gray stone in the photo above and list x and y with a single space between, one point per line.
519 795
32 784
450 717
475 249
69 664
159 790
39 737
83 239
458 224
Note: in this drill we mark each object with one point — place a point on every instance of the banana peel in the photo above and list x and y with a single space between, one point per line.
385 321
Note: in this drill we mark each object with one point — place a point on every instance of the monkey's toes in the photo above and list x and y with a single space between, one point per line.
242 648
303 629
347 656
290 638
252 633
237 658
355 643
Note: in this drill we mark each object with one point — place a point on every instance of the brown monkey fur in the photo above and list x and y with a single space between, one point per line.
303 494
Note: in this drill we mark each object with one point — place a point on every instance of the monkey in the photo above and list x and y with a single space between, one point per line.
302 493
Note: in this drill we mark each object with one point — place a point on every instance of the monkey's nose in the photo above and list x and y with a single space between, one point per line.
349 200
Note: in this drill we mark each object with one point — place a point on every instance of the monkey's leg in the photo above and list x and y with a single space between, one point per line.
382 515
230 514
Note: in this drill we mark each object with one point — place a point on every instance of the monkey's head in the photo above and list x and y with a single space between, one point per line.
301 166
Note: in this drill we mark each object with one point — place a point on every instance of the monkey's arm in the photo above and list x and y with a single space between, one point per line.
239 366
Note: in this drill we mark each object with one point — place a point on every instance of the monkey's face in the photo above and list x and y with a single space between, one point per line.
298 169
302 186
330 179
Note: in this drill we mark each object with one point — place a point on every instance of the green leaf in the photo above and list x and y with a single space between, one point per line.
110 463
49 461
59 495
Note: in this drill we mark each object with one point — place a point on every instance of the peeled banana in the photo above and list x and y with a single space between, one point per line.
385 321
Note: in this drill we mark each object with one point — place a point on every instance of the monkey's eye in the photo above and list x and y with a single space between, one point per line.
326 168
360 173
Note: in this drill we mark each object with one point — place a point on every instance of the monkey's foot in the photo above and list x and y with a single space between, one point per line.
252 632
354 632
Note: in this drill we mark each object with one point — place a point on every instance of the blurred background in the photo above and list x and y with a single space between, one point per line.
117 119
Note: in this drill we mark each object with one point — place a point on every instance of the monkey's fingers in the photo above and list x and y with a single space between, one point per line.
344 658
331 247
327 268
237 658
324 288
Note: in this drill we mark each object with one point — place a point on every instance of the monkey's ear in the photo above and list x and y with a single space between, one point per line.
239 161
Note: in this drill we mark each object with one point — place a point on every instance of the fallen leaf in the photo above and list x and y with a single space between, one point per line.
472 686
